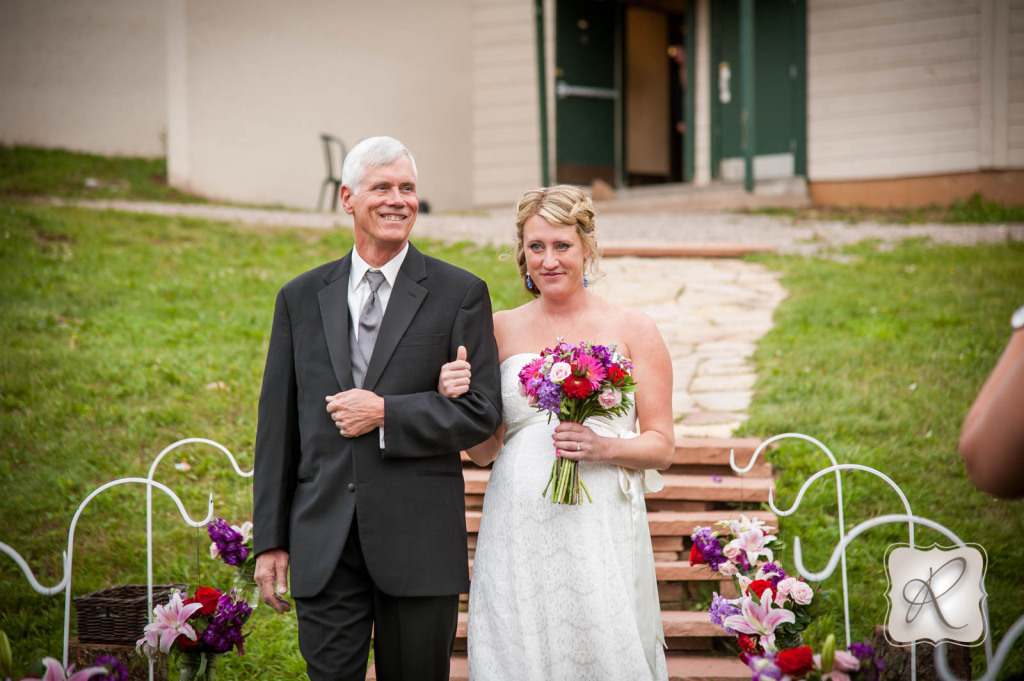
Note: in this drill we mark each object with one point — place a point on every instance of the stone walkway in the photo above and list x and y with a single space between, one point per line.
712 312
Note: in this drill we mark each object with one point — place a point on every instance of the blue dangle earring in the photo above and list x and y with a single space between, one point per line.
585 282
529 282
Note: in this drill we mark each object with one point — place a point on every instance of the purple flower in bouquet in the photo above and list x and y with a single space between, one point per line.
228 542
774 573
115 670
225 629
870 665
708 545
720 609
764 667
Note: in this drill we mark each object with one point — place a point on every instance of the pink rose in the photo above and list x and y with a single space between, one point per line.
802 593
610 398
559 372
727 569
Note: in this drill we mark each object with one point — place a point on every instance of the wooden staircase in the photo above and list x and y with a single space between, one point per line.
700 489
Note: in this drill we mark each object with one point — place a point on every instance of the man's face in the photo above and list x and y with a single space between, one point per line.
385 208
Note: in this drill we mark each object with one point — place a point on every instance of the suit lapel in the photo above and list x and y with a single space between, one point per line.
334 313
406 298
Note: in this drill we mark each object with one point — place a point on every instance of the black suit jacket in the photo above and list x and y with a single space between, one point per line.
409 497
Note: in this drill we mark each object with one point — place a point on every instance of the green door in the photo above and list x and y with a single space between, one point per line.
586 91
779 89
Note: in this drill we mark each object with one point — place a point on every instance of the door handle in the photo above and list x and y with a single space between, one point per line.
564 90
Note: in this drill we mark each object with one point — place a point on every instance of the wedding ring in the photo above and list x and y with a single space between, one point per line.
577 446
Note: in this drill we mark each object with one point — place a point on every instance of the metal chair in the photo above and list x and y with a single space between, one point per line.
334 148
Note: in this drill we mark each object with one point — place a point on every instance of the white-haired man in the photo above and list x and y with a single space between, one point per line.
358 486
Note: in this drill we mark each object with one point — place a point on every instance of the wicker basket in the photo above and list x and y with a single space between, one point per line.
117 614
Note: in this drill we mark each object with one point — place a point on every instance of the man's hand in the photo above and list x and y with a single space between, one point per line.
271 571
356 412
455 376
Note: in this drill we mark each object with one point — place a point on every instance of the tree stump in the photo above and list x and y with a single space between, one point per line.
897 659
83 655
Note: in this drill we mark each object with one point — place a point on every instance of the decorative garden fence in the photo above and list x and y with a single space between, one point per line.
68 556
837 557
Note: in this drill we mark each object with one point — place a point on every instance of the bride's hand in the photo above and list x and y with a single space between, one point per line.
577 442
454 379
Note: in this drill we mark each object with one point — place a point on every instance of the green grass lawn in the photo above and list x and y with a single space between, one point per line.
123 333
880 360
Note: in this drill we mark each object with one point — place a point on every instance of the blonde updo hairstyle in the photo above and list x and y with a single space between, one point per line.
562 205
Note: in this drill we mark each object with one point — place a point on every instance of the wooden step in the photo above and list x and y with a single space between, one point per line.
668 523
681 667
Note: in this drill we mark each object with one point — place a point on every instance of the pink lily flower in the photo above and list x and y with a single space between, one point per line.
55 672
759 618
170 623
753 543
842 663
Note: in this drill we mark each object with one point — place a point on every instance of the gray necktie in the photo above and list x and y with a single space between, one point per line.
369 325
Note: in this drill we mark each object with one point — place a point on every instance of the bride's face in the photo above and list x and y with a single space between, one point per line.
555 255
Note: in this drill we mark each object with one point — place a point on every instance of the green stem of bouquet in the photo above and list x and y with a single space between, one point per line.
567 483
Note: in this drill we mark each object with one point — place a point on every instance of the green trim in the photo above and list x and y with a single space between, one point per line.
748 115
545 169
688 99
800 90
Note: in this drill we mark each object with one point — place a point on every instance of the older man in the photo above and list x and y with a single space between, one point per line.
358 485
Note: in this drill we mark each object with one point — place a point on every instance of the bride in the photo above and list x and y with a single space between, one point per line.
559 591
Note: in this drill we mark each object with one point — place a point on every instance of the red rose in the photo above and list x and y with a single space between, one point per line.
750 644
696 557
576 387
208 597
758 586
795 661
616 374
184 642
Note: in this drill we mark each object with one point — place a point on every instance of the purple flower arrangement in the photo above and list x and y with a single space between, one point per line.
233 545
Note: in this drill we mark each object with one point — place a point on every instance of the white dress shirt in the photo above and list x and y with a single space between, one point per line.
359 291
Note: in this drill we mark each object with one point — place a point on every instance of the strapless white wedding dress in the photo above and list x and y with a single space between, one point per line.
561 592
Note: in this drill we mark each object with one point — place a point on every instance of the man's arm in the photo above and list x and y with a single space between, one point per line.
277 443
426 424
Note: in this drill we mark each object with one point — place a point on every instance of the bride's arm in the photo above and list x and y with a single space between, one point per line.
454 381
652 372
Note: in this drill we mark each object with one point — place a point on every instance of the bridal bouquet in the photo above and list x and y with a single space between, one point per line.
573 383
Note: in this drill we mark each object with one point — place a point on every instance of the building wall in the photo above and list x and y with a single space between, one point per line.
263 80
1016 83
86 76
505 102
893 88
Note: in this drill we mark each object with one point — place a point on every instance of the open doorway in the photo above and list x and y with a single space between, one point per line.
620 87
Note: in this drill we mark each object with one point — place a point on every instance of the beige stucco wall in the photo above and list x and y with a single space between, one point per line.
263 79
87 76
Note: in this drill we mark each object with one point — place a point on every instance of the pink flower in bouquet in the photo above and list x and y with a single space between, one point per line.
171 621
589 367
842 663
760 618
752 542
559 372
612 397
